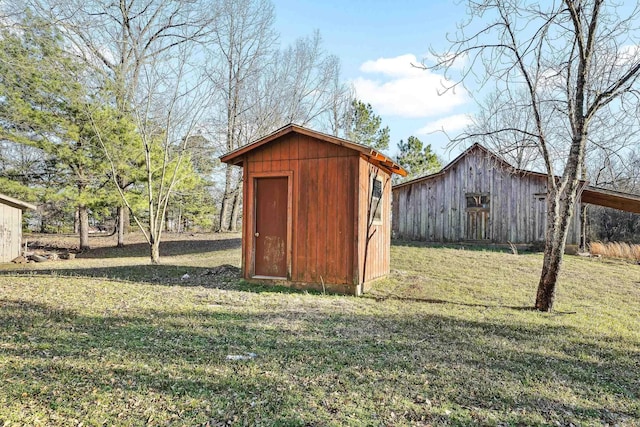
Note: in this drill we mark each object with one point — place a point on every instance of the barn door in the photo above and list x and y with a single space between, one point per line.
540 216
478 210
270 234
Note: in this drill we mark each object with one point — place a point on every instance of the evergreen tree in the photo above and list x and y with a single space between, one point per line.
364 126
43 104
417 159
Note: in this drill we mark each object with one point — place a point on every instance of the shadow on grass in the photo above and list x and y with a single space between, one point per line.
222 276
522 248
311 368
463 304
167 248
443 301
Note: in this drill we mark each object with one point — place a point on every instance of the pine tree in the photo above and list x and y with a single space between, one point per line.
364 126
417 159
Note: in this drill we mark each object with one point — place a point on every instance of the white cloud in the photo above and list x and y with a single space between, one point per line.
402 90
400 66
450 124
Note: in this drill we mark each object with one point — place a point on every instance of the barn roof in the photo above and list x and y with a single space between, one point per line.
236 157
593 195
612 199
499 160
6 200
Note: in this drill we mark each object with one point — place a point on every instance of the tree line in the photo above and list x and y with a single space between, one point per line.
119 110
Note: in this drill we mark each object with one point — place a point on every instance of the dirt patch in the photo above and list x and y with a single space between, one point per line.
225 270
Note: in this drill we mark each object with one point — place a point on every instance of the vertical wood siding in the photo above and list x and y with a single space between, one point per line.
435 209
328 189
10 232
374 256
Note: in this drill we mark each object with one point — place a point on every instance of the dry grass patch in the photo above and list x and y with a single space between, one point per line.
620 250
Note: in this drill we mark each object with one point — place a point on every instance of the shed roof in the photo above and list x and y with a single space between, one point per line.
6 200
593 195
236 157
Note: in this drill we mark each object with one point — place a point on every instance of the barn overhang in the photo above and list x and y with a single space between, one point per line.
18 204
374 157
611 199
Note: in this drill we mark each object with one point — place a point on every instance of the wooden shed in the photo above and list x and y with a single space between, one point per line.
316 211
479 197
11 227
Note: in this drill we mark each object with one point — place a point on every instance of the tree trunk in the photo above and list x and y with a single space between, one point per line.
154 247
559 214
76 221
227 201
237 205
583 228
126 222
121 225
83 227
551 265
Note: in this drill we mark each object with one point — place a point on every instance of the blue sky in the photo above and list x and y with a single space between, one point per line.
376 42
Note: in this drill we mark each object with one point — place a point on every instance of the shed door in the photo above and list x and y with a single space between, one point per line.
270 256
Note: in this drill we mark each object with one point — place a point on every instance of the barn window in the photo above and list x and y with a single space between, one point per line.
478 200
376 200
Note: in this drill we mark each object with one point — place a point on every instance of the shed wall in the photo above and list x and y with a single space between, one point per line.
375 242
435 209
10 232
324 209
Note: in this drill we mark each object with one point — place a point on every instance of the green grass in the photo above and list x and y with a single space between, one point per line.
446 339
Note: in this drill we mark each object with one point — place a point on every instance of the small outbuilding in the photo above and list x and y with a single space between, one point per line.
317 211
11 227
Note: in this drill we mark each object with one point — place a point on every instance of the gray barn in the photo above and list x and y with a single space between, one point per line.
479 197
11 227
476 197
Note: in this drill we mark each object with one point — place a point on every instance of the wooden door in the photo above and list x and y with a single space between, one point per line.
477 224
270 234
540 217
478 210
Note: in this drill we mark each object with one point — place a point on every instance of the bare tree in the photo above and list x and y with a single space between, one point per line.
577 63
262 88
171 101
243 42
507 132
119 39
310 78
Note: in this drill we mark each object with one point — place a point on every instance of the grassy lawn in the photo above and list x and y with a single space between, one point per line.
446 339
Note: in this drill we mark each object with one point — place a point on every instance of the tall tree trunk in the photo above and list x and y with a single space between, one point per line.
227 201
583 227
121 225
126 221
76 221
237 205
83 229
